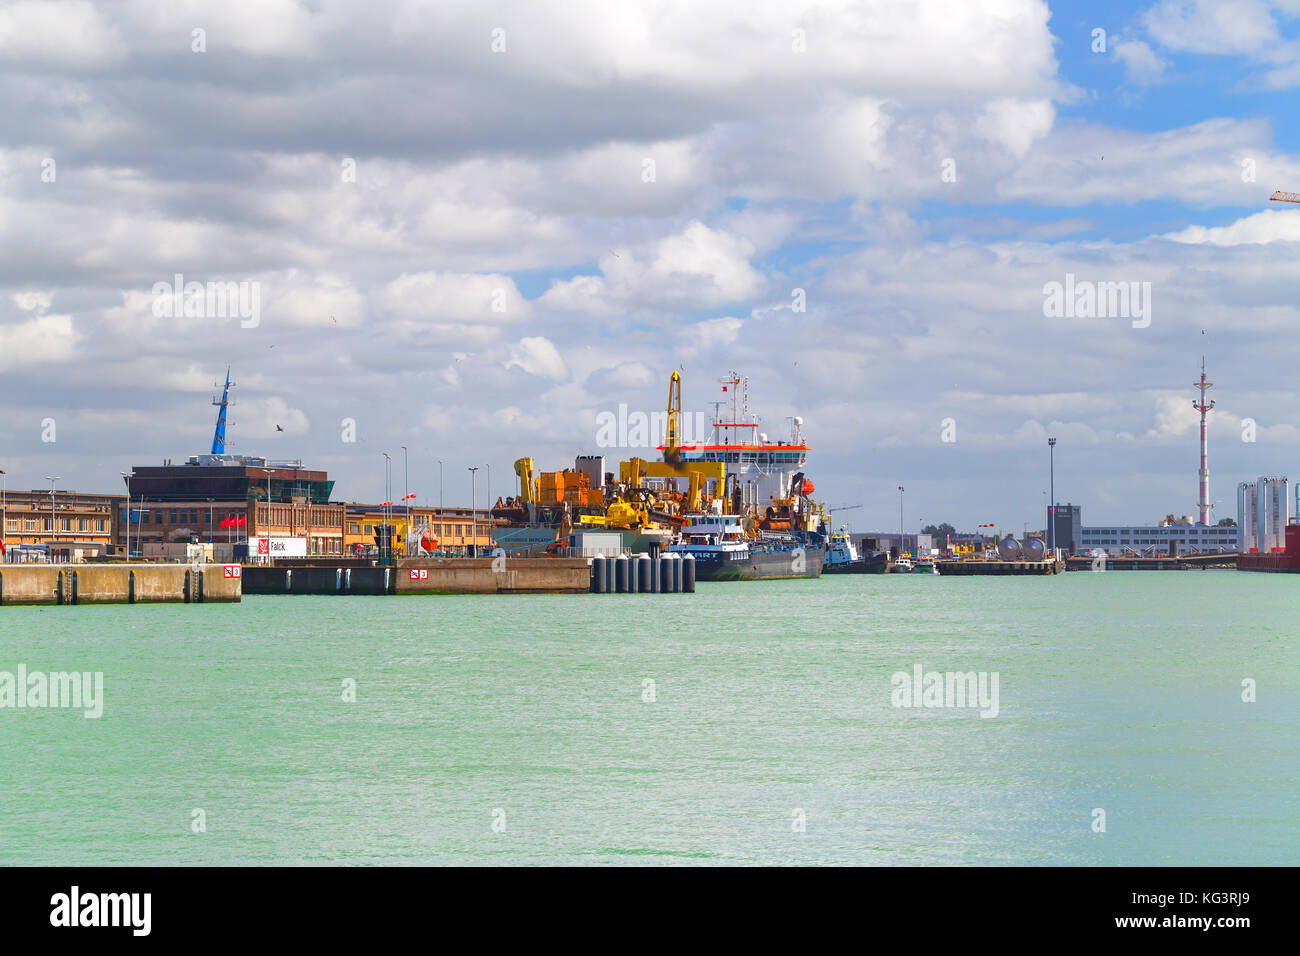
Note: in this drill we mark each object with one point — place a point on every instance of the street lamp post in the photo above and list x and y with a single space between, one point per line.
268 501
473 514
128 475
1051 503
441 513
900 520
406 493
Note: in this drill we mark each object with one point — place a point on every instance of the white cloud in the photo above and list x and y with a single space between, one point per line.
443 299
1143 65
537 355
1208 26
54 32
1262 227
709 335
42 340
1016 124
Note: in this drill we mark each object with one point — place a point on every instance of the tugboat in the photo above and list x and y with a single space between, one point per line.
902 565
842 557
724 551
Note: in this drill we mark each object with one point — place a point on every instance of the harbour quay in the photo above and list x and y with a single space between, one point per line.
119 583
409 576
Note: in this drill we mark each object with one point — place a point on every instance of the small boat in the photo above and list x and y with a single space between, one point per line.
842 557
901 565
924 565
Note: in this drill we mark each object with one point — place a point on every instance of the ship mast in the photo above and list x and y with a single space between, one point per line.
219 435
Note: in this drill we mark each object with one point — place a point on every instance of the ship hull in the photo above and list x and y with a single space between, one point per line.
868 564
1275 562
759 565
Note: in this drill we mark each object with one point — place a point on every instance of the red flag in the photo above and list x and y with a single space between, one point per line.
243 520
2 546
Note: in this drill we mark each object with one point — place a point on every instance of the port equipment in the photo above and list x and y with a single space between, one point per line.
673 433
1280 196
526 471
631 472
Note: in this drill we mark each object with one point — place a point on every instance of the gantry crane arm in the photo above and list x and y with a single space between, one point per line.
1280 196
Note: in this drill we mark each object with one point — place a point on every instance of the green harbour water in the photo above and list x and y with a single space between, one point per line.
1120 691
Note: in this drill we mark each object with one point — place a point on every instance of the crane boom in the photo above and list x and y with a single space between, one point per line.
1280 196
673 433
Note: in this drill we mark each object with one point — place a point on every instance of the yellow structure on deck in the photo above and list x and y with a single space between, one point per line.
524 468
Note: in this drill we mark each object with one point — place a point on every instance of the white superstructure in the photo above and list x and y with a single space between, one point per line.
760 468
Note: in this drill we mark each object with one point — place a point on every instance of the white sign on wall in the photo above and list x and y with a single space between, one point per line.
278 547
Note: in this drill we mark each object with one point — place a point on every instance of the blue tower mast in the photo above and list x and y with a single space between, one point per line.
219 436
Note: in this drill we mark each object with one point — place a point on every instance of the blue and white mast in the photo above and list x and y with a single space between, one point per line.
219 436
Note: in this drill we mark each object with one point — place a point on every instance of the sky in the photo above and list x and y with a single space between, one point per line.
475 228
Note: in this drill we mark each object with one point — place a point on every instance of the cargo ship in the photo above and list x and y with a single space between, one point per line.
1286 561
727 548
764 477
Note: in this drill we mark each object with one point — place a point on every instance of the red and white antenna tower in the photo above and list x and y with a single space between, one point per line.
1202 406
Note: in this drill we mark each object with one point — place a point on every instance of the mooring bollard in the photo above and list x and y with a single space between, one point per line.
688 573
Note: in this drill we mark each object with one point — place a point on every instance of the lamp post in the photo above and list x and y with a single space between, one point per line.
128 475
441 529
473 515
4 512
900 519
268 500
1051 503
406 494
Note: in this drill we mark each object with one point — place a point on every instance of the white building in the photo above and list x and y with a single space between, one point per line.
1160 539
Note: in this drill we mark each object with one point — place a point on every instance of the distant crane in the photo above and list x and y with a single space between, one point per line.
831 511
1280 196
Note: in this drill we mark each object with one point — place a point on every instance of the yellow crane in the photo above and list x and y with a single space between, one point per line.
524 468
673 435
1280 196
